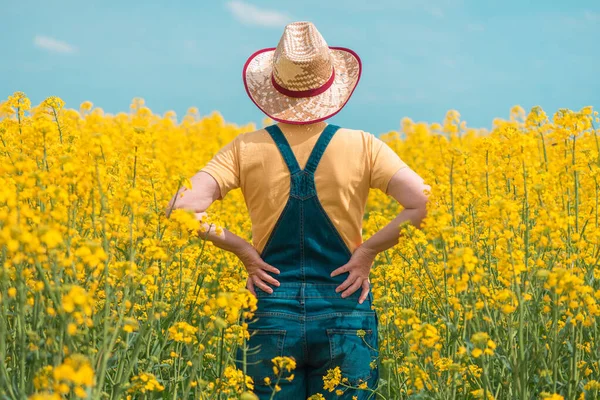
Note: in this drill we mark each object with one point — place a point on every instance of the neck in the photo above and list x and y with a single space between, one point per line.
304 127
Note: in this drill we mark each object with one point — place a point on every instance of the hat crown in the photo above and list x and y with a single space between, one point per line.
302 60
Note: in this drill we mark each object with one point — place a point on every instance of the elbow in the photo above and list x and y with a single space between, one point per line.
179 202
421 212
422 215
419 215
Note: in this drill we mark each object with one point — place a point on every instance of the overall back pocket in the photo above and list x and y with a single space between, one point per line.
263 346
352 350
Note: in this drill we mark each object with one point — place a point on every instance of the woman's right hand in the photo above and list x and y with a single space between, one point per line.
258 271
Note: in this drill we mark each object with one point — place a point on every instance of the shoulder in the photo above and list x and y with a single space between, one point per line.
244 141
357 133
349 135
357 136
252 137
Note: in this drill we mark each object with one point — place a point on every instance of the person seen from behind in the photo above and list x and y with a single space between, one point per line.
306 184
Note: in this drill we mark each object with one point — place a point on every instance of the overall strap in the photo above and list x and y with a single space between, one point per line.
319 149
284 148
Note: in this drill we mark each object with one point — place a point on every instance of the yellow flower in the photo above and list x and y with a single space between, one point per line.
509 234
476 352
145 382
86 106
332 379
52 238
54 103
183 332
551 396
72 329
77 299
287 363
592 385
45 396
79 392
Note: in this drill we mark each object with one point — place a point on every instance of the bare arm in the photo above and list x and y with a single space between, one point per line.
205 190
407 187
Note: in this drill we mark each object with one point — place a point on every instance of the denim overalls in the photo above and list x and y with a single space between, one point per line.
304 317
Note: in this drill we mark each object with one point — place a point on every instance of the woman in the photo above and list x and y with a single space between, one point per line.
306 183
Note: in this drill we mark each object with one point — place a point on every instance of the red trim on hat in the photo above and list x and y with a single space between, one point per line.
300 122
303 93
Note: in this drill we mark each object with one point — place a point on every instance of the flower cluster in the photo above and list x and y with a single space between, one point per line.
104 292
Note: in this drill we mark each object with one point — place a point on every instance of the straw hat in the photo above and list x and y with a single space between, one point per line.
302 80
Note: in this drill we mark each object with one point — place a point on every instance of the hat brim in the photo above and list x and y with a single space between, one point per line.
301 110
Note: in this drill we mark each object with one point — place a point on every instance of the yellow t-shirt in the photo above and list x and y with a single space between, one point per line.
353 162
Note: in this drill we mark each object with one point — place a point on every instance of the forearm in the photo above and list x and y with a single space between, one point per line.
198 203
389 235
229 241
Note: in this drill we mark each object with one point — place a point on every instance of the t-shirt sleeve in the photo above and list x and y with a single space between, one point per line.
225 167
385 162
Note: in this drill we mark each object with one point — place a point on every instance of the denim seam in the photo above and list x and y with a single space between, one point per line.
302 198
303 287
280 345
332 353
347 331
284 148
311 284
315 156
341 314
330 223
297 192
314 317
302 245
259 331
321 145
282 296
272 235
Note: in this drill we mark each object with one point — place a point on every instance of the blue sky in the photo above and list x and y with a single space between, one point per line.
420 58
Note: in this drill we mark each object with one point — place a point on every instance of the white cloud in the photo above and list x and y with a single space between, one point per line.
250 14
53 45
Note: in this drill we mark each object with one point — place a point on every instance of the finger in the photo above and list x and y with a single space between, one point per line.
261 285
250 287
201 215
365 291
344 285
268 278
269 268
214 230
355 286
205 227
340 270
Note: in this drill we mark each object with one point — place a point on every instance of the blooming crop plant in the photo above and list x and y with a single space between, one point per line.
104 296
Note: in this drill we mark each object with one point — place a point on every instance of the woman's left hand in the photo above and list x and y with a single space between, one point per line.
358 268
